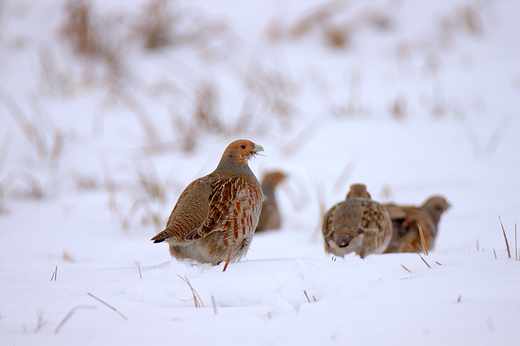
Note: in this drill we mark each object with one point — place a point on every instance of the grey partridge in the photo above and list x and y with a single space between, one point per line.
358 224
407 220
216 215
270 216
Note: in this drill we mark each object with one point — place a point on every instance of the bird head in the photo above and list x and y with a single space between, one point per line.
435 206
358 190
242 150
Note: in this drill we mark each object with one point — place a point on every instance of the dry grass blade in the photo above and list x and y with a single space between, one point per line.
306 296
419 256
505 238
408 270
4 148
423 240
148 179
28 129
152 136
308 299
214 305
69 315
344 175
40 322
304 136
498 135
111 190
207 113
516 246
54 274
108 305
138 269
156 25
196 298
321 203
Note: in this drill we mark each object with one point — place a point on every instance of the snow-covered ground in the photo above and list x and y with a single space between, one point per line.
411 98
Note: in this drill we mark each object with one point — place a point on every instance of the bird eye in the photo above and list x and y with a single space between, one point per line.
243 146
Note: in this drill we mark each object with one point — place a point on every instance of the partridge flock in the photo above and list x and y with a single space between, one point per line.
216 216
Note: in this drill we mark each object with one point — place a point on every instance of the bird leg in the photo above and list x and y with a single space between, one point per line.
228 259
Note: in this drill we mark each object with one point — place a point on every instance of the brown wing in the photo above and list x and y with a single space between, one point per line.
189 212
415 219
395 211
232 203
406 225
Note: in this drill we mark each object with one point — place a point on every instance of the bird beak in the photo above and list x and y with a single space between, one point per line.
257 148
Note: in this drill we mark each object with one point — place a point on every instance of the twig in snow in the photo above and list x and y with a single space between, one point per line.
70 313
495 253
408 270
505 238
138 269
108 305
306 296
438 263
54 274
40 322
516 245
420 256
458 299
214 304
196 298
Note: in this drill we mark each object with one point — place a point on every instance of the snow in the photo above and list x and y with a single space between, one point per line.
76 201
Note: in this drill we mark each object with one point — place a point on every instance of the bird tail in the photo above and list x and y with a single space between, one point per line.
172 237
165 234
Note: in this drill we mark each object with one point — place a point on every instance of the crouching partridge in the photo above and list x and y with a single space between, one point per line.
270 216
216 215
409 221
357 224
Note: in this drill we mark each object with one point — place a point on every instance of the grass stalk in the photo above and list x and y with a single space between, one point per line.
423 240
40 321
54 274
196 298
214 305
505 238
138 269
408 270
108 305
419 256
69 315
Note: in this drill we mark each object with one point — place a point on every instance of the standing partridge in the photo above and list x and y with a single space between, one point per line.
407 220
357 224
270 215
216 215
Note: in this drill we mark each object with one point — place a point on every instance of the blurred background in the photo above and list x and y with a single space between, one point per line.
109 109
